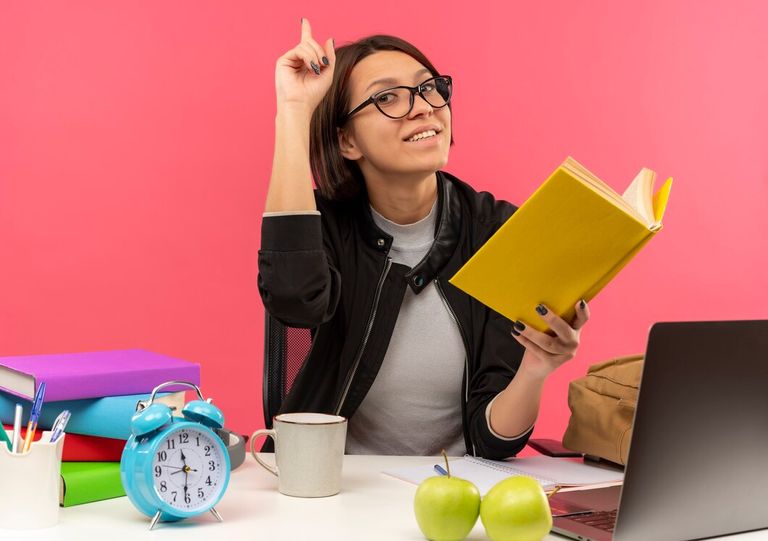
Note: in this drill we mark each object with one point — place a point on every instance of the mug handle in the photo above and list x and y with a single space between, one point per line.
269 434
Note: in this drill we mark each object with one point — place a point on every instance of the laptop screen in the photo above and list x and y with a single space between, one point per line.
699 451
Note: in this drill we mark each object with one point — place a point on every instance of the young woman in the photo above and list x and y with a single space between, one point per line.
414 363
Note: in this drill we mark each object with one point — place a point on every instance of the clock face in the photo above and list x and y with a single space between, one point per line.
189 469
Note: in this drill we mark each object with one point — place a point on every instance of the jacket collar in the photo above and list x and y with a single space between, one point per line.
447 228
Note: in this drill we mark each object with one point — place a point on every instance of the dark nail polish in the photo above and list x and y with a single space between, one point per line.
541 309
582 304
515 332
325 60
518 326
315 68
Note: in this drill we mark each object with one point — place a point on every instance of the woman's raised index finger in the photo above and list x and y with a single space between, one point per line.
306 29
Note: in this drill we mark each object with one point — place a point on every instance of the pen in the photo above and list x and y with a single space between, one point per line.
59 425
17 428
439 469
37 405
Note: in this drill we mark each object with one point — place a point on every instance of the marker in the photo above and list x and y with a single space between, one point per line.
439 469
4 437
17 428
37 405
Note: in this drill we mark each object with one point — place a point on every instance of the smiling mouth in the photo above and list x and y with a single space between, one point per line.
423 135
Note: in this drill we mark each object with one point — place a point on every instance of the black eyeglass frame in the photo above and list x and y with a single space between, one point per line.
413 90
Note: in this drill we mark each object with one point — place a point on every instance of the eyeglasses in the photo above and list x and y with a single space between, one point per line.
397 102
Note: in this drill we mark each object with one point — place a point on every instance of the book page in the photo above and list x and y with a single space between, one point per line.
548 471
639 194
482 477
17 382
561 471
582 174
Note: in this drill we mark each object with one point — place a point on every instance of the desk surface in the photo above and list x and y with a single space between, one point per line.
371 506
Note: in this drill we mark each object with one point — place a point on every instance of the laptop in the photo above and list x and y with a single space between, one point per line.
698 459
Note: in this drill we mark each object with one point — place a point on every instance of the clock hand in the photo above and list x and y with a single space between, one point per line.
186 474
185 469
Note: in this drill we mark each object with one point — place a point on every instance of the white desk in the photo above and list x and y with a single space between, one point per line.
371 506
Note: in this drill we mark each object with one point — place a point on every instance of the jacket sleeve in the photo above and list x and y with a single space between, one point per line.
298 281
500 357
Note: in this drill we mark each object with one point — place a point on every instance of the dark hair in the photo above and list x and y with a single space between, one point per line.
337 177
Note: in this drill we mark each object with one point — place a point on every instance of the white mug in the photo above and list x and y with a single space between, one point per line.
309 451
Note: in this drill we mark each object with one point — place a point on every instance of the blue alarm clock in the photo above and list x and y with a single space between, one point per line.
174 468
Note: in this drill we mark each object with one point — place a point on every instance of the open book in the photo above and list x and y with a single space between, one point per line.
484 473
565 243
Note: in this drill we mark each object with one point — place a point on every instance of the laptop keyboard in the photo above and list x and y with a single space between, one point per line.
604 520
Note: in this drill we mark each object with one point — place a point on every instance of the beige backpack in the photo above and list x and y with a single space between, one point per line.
602 407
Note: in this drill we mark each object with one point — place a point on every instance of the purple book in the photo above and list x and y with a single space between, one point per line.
73 376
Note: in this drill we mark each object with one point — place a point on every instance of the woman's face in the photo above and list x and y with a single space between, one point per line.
381 144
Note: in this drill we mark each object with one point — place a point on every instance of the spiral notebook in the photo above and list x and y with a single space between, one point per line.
548 471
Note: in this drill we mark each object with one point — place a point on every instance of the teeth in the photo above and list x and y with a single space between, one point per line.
422 135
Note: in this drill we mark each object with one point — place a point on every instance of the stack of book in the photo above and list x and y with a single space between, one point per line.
101 390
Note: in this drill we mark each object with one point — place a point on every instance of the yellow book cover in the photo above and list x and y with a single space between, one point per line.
565 243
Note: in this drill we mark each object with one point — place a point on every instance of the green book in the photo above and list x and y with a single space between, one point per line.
85 482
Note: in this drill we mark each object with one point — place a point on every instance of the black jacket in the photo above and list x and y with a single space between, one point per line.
332 273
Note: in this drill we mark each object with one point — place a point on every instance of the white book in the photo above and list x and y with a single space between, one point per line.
548 471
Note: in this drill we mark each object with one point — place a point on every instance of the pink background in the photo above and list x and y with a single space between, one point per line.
136 145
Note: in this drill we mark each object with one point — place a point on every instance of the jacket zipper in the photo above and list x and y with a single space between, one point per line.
466 350
368 328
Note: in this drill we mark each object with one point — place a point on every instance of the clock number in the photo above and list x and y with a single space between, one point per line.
187 498
158 471
207 450
197 438
171 444
175 493
208 481
162 456
200 493
183 438
211 465
163 486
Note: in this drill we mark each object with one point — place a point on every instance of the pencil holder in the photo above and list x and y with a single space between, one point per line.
29 498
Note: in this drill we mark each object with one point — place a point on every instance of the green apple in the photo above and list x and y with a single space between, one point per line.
516 509
446 507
